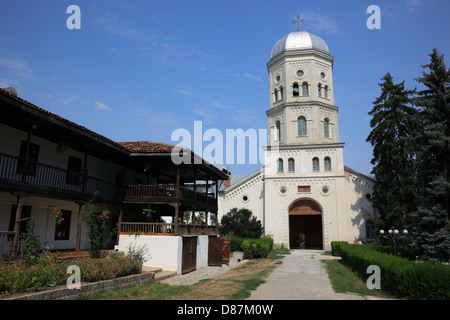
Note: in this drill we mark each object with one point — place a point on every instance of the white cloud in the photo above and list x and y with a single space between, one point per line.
320 22
413 4
4 83
69 99
19 67
101 106
185 92
252 76
207 114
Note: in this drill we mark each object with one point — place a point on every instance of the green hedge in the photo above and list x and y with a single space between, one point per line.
15 278
398 275
252 248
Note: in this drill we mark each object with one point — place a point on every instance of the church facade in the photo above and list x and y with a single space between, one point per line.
304 195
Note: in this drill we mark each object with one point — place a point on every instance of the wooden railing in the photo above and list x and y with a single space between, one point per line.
148 193
147 228
6 242
167 229
35 173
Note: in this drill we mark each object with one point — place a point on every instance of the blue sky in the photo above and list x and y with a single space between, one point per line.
138 70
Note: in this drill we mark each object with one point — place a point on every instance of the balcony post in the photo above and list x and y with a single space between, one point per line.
119 226
176 218
17 223
77 246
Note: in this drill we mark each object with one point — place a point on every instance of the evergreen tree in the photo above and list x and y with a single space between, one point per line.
241 223
395 190
431 229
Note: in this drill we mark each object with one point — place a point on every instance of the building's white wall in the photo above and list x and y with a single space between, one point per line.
163 251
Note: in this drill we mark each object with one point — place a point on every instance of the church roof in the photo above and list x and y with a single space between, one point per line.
299 40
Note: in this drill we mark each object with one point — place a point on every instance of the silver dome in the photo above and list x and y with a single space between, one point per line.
298 41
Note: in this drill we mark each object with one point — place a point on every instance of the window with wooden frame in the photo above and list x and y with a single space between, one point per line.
62 230
33 156
304 189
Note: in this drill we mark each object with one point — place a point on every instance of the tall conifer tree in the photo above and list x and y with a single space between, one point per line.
431 228
395 190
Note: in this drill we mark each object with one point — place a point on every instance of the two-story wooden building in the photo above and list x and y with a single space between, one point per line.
49 162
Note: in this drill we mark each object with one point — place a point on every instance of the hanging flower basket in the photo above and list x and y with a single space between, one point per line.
58 215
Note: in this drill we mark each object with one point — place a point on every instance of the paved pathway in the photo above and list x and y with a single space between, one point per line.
301 276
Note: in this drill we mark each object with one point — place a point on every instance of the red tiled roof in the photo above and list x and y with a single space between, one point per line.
148 146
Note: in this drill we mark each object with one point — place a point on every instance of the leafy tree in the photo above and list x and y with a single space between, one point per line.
395 190
431 229
241 223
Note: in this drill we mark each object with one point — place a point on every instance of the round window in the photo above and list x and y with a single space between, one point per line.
278 78
322 75
245 198
300 73
325 190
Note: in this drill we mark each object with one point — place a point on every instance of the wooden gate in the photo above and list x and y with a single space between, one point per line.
189 255
218 251
214 251
226 250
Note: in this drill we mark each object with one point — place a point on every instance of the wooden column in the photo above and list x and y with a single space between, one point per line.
77 246
27 157
119 226
193 220
176 218
17 223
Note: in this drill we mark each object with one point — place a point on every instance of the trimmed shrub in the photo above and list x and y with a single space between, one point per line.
398 275
15 278
256 248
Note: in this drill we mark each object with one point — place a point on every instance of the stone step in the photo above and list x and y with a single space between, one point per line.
160 274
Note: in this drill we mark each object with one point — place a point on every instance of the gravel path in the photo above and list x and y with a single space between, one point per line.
206 272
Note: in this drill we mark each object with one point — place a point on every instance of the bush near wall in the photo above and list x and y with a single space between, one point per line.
16 278
252 248
417 280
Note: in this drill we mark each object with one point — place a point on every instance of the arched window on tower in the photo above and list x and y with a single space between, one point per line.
319 88
326 127
327 163
295 90
281 93
301 125
278 130
315 163
280 165
326 92
305 88
276 95
291 165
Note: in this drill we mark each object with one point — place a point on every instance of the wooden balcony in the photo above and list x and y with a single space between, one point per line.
17 174
170 194
165 229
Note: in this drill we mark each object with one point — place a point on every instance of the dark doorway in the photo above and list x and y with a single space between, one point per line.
305 225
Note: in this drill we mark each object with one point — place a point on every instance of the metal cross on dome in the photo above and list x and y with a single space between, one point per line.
298 21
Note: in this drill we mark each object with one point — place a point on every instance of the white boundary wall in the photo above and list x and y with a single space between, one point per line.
164 251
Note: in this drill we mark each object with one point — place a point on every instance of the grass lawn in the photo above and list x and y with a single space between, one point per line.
234 285
344 280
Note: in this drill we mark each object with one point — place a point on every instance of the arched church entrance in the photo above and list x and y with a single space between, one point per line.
305 225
